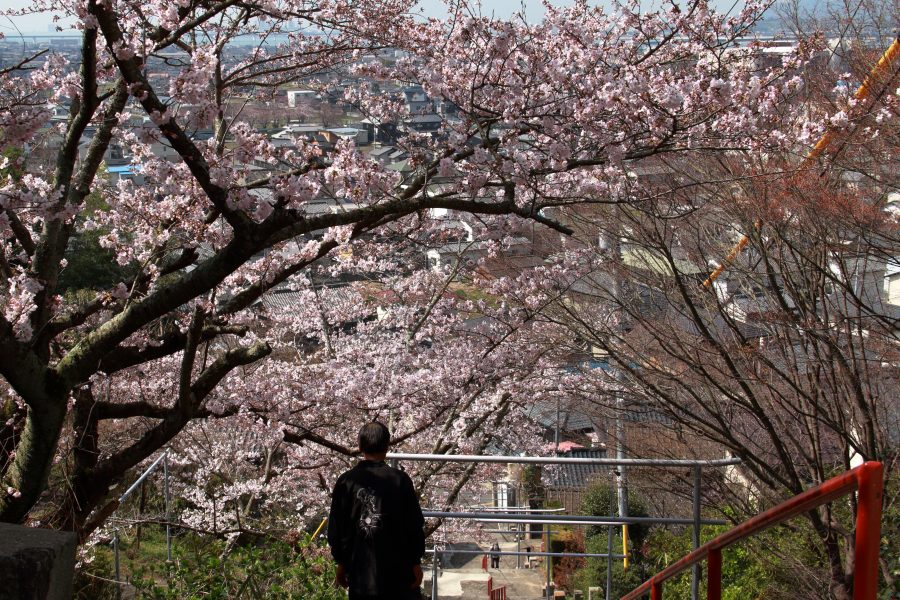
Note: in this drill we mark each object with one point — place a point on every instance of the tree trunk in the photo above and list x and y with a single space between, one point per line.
841 584
30 469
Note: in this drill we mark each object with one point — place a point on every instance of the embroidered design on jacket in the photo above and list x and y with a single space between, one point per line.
370 517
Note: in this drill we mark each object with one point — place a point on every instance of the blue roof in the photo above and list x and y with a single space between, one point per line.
590 363
120 169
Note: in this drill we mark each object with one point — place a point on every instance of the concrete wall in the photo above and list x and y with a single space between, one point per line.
36 564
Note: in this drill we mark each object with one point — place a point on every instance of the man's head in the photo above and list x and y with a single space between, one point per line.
374 439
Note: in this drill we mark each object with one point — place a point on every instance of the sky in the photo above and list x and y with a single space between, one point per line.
500 8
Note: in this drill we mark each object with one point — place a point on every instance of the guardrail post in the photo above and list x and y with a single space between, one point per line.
714 575
549 565
115 543
868 531
168 504
434 574
656 590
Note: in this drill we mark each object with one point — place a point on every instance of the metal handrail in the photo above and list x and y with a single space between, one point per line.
532 553
565 460
144 475
553 519
866 479
162 459
498 593
696 465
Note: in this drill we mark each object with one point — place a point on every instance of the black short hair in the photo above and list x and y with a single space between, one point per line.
374 438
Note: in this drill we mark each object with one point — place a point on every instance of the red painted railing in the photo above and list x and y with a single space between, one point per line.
495 593
866 478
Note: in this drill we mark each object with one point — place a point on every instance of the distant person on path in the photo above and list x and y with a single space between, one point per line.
495 556
375 528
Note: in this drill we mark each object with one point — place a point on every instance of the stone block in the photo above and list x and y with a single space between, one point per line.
36 564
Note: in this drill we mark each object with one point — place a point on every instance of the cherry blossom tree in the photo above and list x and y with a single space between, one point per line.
551 115
445 384
786 357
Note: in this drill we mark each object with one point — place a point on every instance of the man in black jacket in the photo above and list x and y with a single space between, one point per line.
375 528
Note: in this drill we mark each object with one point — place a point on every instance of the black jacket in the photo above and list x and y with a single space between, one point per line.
375 528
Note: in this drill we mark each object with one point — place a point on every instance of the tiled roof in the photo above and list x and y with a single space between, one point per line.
576 475
285 299
642 413
570 419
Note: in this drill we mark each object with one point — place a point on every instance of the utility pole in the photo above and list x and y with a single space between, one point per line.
612 243
558 411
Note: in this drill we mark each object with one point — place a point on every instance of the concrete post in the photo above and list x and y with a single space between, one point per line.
36 564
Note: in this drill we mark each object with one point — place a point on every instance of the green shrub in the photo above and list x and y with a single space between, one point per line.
600 500
203 567
273 569
94 577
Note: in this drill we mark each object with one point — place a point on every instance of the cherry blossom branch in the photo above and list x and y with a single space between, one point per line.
395 208
235 357
99 143
20 66
105 411
244 76
126 357
77 193
257 78
49 250
461 482
130 68
97 480
165 38
21 367
96 345
185 258
251 293
5 269
195 330
435 298
313 164
307 435
21 232
74 318
666 38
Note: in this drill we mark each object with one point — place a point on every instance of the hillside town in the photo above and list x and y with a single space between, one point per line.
614 287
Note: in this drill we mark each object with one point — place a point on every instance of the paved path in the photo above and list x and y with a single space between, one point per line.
464 579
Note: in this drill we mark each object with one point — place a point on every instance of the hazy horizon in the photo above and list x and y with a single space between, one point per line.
41 24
